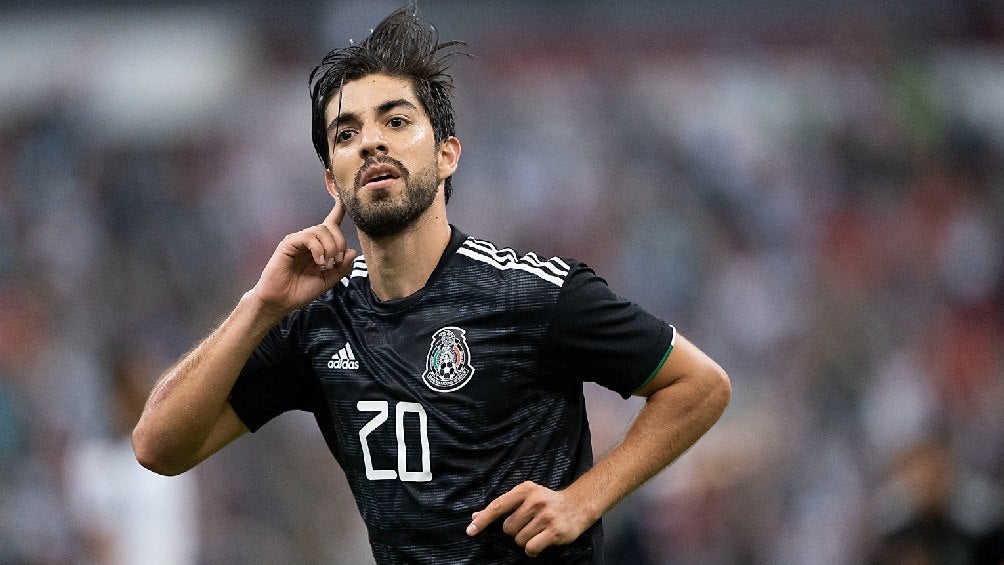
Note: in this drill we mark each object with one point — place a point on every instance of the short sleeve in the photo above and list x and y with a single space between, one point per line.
271 381
599 337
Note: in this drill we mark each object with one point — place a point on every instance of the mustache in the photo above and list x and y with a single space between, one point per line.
381 160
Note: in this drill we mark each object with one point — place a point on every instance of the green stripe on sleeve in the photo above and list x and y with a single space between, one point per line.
656 371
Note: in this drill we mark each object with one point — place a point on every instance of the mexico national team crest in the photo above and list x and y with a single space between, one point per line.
448 365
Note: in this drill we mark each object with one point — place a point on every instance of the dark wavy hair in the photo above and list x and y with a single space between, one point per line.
402 46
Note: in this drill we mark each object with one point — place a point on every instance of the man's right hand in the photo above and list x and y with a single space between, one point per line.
304 265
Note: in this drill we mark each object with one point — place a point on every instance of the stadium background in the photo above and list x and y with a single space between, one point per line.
812 191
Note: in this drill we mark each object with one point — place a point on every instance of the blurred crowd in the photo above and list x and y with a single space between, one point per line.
815 199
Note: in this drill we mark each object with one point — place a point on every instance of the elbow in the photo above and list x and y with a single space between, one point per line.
151 455
711 394
717 390
720 387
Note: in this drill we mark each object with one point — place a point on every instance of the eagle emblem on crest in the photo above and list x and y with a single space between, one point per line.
448 364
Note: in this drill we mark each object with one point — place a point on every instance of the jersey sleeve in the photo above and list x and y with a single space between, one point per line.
599 337
272 380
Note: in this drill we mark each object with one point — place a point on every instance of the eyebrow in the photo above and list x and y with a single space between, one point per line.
347 117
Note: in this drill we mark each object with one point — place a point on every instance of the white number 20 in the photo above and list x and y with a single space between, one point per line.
382 408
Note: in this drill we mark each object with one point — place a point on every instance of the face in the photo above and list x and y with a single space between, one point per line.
385 164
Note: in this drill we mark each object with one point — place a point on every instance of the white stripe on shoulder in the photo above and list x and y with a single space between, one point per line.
359 269
554 264
553 270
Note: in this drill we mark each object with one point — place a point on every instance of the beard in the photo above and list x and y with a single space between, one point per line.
389 214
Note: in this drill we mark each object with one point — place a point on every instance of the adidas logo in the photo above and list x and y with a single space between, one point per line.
344 359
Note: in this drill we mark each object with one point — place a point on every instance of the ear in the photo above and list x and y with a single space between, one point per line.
329 182
449 156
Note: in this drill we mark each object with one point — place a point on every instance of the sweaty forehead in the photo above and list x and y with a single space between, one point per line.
363 96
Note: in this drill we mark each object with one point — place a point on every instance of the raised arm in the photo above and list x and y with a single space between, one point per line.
187 417
683 401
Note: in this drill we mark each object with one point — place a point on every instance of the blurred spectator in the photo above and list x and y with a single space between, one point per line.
932 512
122 513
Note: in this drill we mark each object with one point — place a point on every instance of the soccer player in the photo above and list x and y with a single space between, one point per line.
444 372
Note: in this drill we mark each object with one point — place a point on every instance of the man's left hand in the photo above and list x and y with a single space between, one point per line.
538 517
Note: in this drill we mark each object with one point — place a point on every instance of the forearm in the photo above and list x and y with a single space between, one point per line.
672 419
182 420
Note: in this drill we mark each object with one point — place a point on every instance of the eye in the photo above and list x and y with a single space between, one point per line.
344 135
396 122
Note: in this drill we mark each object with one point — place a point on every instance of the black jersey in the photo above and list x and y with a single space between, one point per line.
437 403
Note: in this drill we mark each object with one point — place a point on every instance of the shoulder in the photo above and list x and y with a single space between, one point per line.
506 260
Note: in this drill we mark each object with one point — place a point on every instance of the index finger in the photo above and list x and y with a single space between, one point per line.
501 506
335 216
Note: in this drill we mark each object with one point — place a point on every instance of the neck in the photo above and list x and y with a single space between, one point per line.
400 265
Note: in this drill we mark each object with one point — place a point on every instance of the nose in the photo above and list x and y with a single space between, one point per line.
372 142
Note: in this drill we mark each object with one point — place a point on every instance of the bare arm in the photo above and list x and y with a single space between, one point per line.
187 417
683 401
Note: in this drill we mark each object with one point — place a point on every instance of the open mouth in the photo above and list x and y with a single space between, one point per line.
379 174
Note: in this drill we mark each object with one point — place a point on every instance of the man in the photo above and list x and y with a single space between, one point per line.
445 373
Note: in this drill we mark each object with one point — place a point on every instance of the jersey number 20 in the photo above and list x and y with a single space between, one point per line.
382 408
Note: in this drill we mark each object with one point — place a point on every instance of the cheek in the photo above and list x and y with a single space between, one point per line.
343 172
422 136
413 142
